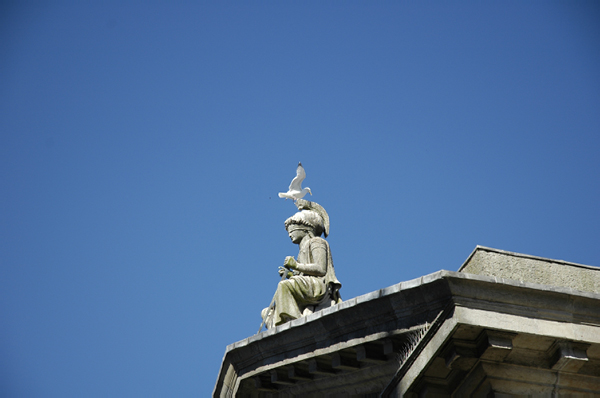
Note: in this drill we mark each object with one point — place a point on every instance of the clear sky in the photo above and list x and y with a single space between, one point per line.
142 148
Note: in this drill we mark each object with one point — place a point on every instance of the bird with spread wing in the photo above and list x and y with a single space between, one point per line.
295 190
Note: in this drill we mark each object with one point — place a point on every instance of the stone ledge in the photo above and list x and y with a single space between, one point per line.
393 311
403 286
522 267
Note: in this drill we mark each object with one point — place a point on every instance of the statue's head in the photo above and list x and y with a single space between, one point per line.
302 223
312 219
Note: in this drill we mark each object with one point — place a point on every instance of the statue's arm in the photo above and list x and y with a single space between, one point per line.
319 265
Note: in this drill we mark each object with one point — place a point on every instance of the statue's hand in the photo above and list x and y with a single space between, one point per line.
283 270
290 262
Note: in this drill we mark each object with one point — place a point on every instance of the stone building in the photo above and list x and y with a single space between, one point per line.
504 325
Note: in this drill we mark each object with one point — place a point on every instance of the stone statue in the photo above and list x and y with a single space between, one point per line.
309 283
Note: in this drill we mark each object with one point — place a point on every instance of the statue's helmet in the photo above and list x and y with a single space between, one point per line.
307 218
311 215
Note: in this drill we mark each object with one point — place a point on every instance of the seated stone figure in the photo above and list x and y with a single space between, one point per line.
311 282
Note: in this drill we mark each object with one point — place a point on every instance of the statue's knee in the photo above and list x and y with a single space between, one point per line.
285 285
287 282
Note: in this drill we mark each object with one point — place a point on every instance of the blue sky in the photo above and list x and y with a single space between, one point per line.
142 147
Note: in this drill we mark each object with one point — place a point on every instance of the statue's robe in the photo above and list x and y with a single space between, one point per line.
293 295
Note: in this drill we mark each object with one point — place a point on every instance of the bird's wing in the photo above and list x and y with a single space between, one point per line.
296 184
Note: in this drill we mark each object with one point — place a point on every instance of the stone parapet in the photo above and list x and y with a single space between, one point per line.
526 268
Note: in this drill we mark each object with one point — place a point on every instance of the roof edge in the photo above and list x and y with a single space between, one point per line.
521 255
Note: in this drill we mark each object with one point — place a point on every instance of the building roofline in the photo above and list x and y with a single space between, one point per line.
410 284
397 309
521 255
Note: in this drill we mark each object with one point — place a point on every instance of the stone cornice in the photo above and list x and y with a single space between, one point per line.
397 310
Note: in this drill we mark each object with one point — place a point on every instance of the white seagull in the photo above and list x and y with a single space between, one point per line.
295 190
